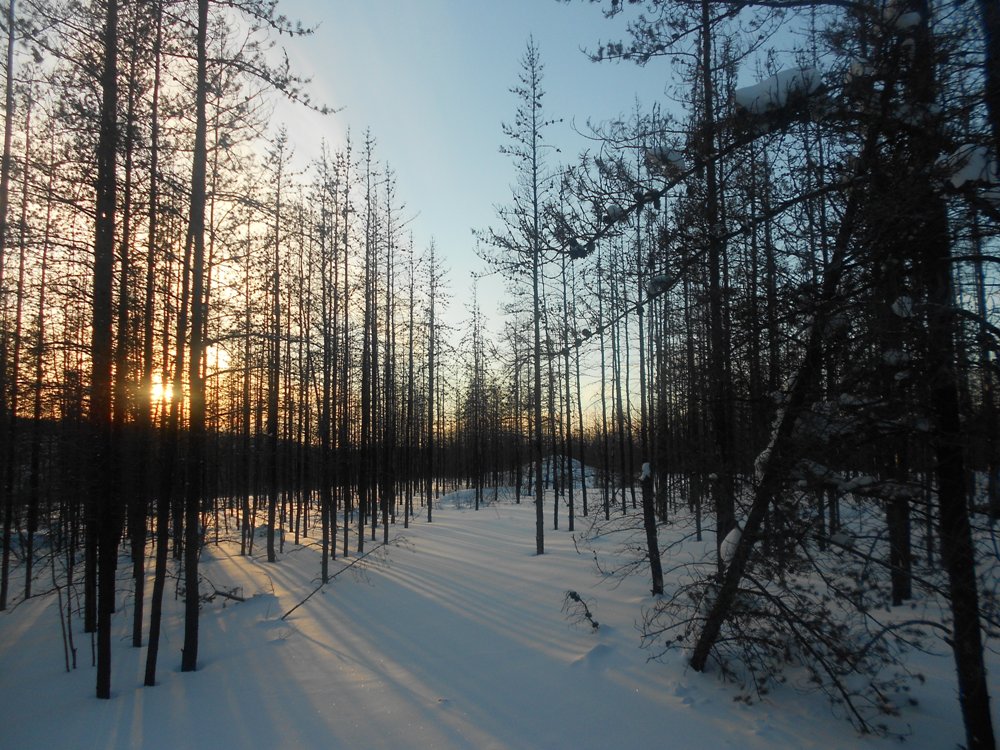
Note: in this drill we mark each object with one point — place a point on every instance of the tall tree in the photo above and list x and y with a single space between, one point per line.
196 377
521 235
432 334
6 500
104 499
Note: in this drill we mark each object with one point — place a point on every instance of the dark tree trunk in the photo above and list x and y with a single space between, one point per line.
989 11
145 413
721 423
5 170
933 266
957 549
196 378
431 334
771 471
15 385
35 468
104 489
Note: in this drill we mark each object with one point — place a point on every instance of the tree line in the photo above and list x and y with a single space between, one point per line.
201 339
785 283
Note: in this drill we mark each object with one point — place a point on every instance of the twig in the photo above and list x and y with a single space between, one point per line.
313 592
579 610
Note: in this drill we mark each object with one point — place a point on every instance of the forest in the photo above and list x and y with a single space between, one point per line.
766 315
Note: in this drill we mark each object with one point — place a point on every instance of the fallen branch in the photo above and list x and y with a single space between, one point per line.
230 595
346 567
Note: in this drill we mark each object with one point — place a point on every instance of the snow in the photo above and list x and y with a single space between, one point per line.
760 463
614 213
906 21
971 164
896 358
991 196
859 68
665 160
453 637
903 307
658 284
842 539
859 482
774 92
554 467
898 17
728 547
647 472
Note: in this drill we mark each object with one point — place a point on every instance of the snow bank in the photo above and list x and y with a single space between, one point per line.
456 640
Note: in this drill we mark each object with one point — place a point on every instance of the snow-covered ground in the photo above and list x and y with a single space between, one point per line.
454 636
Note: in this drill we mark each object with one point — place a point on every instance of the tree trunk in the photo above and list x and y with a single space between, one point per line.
648 512
431 335
725 518
196 378
15 385
34 477
5 169
104 489
933 269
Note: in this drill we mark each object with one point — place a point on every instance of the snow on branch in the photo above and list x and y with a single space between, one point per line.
775 92
665 160
614 213
728 547
897 14
970 165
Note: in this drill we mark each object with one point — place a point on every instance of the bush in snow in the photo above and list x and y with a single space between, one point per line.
576 609
812 606
813 619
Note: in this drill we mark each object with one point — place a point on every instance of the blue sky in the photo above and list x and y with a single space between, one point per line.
432 78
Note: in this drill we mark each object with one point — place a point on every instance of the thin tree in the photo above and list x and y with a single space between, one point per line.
432 270
104 500
5 171
196 378
523 234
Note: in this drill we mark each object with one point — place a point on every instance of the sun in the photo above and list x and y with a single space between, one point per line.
159 392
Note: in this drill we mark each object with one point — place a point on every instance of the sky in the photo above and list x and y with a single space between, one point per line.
432 80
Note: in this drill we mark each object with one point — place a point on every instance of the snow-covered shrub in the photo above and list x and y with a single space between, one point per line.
813 620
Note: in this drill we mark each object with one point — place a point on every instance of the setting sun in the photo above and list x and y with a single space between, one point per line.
158 391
